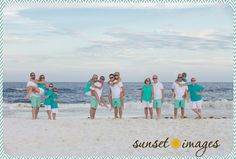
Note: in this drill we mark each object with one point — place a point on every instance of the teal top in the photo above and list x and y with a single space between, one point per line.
53 103
147 93
87 88
193 90
48 93
184 80
41 85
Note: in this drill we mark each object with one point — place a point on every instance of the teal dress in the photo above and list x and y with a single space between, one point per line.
53 103
87 88
41 85
147 93
48 93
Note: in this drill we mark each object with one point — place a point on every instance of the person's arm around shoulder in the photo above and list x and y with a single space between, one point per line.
181 84
94 86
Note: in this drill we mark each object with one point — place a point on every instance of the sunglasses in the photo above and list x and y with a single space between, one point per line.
102 79
32 75
111 77
154 78
180 77
193 80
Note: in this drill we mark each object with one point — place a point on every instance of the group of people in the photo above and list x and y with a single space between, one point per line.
116 95
152 95
38 90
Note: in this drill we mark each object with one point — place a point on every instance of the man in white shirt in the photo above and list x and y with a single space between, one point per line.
115 91
179 93
158 94
34 96
93 100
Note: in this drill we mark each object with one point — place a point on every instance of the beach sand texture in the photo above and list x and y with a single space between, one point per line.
71 136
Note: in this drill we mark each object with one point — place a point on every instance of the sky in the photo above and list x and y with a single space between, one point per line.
70 43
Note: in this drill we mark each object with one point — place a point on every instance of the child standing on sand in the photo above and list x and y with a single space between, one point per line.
47 100
146 97
54 103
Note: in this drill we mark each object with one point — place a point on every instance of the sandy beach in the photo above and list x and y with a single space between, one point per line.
109 137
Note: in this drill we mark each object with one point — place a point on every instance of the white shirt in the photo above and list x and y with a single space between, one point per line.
179 91
99 91
120 84
32 84
157 87
115 90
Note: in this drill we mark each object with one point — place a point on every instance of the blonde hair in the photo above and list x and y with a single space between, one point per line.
94 77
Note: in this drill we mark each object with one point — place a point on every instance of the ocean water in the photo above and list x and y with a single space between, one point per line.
73 92
73 103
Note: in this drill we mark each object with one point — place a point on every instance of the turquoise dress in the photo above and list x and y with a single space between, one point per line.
41 85
87 88
147 93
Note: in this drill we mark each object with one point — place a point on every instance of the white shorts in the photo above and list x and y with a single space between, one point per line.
146 104
88 93
41 91
55 110
196 104
47 107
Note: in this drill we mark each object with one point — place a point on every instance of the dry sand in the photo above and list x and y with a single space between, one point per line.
108 137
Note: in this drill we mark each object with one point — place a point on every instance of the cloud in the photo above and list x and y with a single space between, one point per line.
129 43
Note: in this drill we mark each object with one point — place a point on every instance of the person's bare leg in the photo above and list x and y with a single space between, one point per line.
33 113
146 112
92 113
54 116
49 112
36 113
122 97
158 113
116 112
175 112
151 112
110 101
120 112
104 103
200 113
94 93
182 112
29 91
